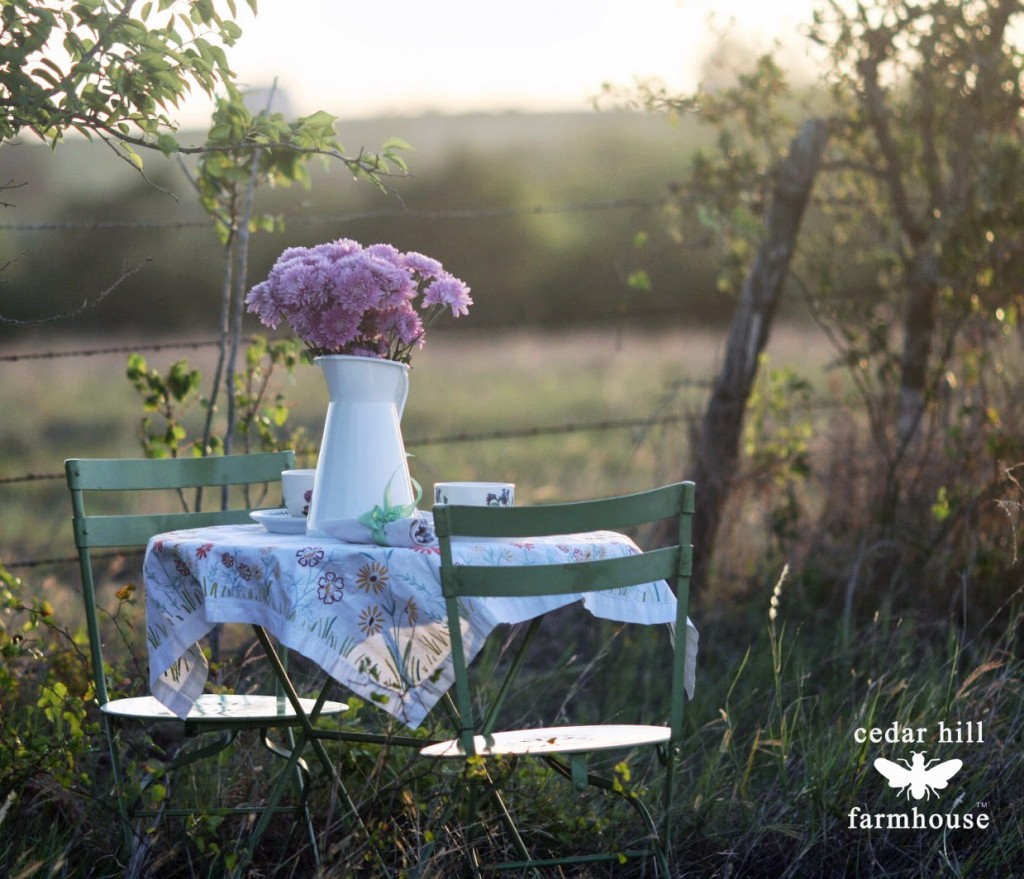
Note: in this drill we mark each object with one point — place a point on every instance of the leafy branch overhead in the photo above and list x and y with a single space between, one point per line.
238 138
119 69
115 68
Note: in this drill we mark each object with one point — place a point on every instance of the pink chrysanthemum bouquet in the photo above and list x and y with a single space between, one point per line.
343 298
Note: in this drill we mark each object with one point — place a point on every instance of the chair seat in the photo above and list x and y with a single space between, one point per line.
555 740
213 708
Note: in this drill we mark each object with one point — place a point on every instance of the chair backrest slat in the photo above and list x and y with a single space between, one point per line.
153 477
129 530
612 514
146 474
488 581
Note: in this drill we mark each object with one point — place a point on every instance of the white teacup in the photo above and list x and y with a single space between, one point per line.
475 494
297 487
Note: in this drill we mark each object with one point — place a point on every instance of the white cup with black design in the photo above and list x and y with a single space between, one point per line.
475 494
297 488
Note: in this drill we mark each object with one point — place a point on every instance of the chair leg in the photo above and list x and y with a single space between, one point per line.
671 754
303 778
120 785
293 760
302 783
130 802
504 815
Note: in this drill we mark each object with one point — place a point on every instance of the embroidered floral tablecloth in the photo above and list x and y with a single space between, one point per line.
371 616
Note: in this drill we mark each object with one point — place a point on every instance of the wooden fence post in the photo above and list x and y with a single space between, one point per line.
716 441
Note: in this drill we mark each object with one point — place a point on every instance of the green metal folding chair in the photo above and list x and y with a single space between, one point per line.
566 749
225 481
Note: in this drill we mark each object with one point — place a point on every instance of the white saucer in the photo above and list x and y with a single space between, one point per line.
280 521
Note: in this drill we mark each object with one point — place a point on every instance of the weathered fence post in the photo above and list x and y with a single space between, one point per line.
716 441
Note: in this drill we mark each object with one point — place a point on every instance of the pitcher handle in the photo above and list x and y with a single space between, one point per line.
403 393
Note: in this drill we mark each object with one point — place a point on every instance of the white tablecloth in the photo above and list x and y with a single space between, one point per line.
371 616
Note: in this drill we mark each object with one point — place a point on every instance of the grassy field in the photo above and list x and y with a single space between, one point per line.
795 699
462 383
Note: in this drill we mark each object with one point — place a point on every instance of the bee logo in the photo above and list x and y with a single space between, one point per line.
922 779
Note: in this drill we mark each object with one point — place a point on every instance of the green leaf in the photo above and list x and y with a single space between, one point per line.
639 280
941 509
131 155
220 133
167 144
319 119
396 143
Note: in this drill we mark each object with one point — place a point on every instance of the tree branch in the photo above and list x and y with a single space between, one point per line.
86 304
893 171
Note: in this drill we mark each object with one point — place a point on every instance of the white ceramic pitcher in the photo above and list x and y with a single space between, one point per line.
362 451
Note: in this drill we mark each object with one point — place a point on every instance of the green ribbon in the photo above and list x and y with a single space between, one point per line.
381 516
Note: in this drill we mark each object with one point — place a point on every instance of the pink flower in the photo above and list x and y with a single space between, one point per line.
451 292
385 252
262 301
342 298
404 323
338 326
423 266
336 249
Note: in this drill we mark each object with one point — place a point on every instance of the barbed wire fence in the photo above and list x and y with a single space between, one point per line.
642 425
639 424
469 213
521 432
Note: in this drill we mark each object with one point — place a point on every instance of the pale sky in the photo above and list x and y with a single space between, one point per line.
358 59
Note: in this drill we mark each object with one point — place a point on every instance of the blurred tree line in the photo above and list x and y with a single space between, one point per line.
539 214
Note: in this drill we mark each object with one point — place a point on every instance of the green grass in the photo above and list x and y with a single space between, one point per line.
772 766
781 767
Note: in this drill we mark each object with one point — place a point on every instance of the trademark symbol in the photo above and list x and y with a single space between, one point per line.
982 805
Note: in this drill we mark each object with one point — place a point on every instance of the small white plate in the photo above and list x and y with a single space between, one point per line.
280 521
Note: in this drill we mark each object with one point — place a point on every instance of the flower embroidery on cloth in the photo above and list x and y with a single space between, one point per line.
412 611
372 577
371 620
310 556
331 587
